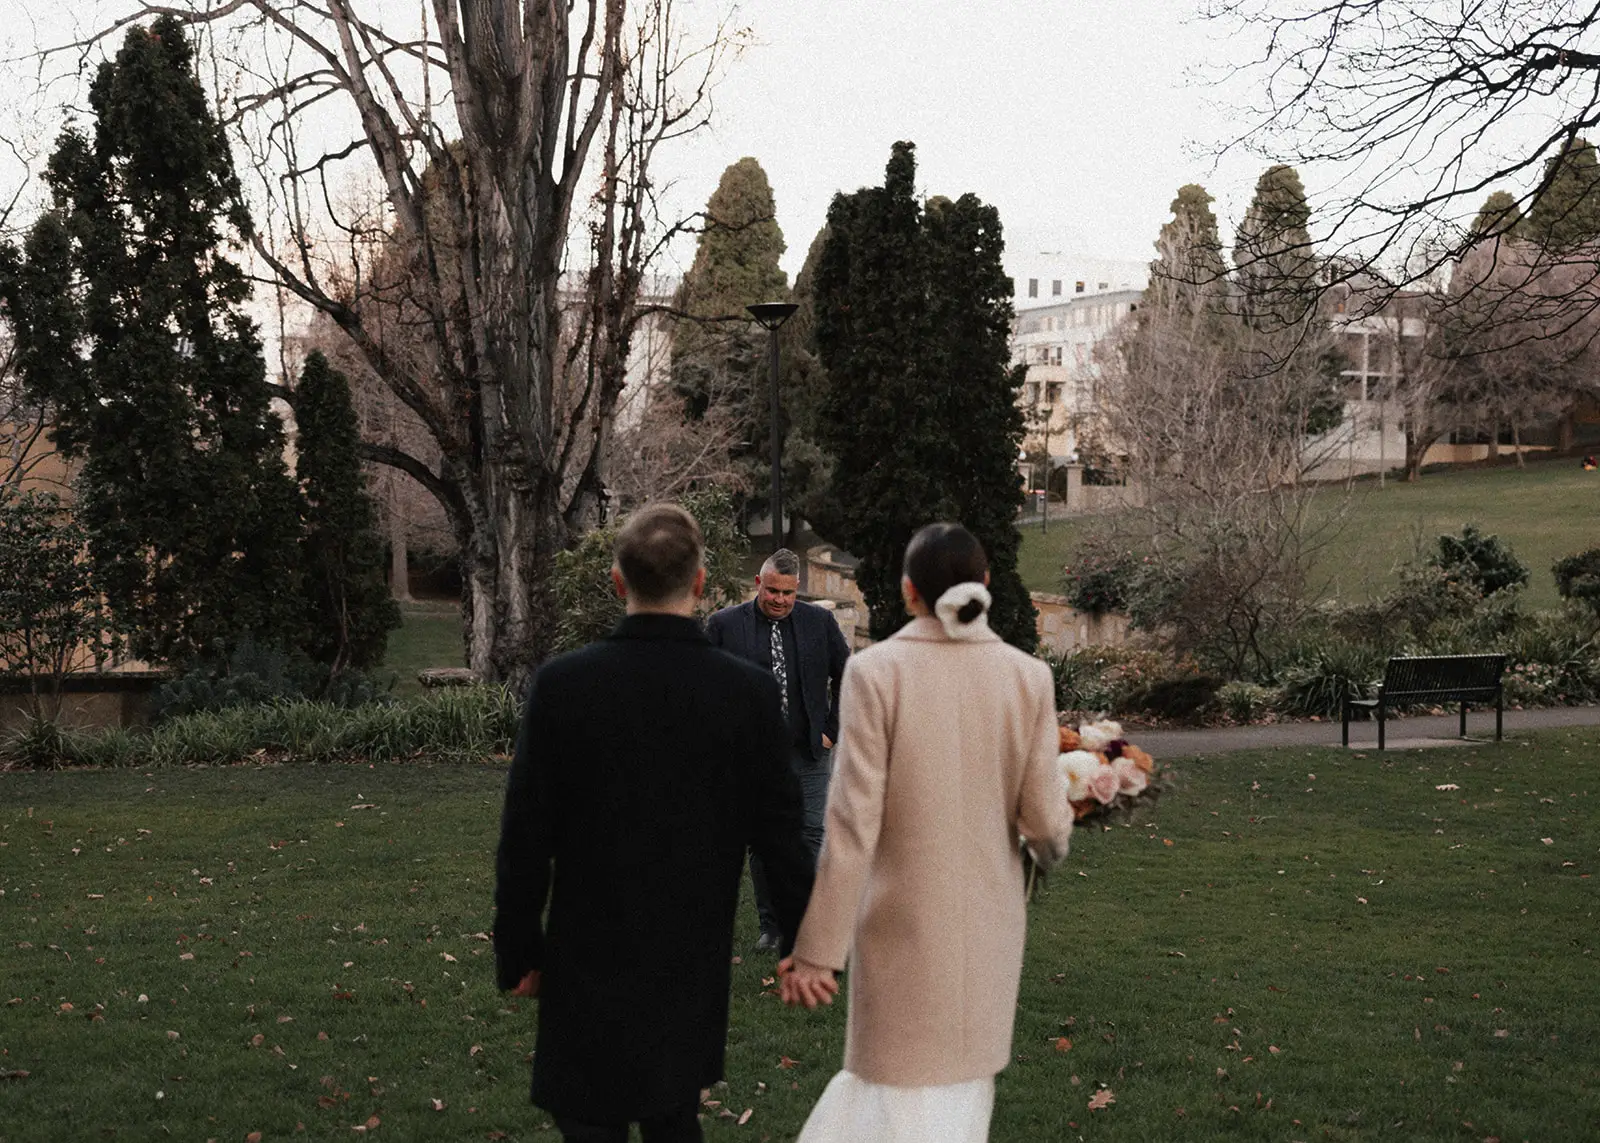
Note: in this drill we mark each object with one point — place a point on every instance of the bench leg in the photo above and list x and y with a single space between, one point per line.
1344 725
1499 715
1381 715
1463 720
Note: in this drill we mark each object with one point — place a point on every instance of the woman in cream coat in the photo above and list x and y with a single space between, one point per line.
946 755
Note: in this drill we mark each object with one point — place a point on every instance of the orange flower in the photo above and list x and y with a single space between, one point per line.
1139 758
1069 739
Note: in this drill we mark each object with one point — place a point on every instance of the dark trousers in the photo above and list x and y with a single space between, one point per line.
674 1127
813 774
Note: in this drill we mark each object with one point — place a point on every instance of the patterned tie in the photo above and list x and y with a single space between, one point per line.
780 668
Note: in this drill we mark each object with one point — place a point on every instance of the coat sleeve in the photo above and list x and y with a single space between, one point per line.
838 655
1044 817
777 818
522 862
717 628
854 818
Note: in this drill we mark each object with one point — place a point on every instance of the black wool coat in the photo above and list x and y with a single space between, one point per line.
645 765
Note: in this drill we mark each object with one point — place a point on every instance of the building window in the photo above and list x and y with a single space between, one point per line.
1105 285
1033 287
1044 355
1030 393
1052 392
1056 357
1055 288
1077 287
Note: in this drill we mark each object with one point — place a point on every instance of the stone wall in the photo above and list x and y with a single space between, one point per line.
830 581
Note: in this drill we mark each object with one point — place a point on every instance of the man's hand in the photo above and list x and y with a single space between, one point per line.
827 743
528 985
803 983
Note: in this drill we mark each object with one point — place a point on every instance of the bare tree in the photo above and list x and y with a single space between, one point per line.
1419 107
1219 445
495 295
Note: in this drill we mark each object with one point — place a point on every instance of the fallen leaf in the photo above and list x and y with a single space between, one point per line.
1448 786
257 1040
1063 1044
438 1104
448 957
186 956
1548 840
285 1019
253 1137
745 1117
786 1062
475 1049
14 1074
172 1035
1101 1099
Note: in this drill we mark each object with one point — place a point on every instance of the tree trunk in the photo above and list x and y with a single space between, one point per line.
399 555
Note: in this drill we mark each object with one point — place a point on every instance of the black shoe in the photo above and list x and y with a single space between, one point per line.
767 942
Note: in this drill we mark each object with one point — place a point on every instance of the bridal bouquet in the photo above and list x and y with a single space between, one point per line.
1102 770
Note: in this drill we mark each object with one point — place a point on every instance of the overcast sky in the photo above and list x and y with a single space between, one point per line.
1078 119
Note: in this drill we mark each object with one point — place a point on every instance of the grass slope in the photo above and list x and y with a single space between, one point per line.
429 635
1312 945
1546 511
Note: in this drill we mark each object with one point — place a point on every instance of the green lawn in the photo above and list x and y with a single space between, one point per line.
1311 945
429 635
1548 510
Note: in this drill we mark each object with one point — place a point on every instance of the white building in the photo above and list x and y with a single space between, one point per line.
1061 393
1050 278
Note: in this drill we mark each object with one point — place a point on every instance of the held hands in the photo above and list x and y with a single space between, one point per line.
528 985
803 983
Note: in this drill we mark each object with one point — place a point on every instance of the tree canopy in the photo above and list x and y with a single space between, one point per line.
128 320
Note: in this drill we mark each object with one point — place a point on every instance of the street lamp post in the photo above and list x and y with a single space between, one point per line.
769 316
1044 498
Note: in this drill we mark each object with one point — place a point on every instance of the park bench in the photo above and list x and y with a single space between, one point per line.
1435 679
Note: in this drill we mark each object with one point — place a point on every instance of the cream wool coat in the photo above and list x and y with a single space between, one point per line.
947 751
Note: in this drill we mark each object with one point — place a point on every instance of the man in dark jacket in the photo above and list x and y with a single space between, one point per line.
645 766
801 646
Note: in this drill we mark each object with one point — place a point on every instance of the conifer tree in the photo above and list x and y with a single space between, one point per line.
913 314
128 320
1567 213
349 610
1272 250
1499 217
718 355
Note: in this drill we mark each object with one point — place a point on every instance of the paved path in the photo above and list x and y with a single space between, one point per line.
1400 734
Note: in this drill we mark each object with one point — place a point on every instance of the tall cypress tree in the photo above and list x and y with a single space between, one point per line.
349 613
913 316
128 321
1272 251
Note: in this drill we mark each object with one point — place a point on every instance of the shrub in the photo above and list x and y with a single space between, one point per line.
1100 580
1578 579
1100 679
252 674
1180 697
1320 683
1244 702
1486 561
455 724
586 601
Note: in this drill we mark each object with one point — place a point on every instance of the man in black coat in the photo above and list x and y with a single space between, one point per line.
801 646
645 765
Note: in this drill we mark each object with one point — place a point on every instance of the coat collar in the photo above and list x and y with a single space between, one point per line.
927 629
654 625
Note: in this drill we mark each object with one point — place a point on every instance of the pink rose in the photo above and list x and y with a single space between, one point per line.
1103 785
1130 778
